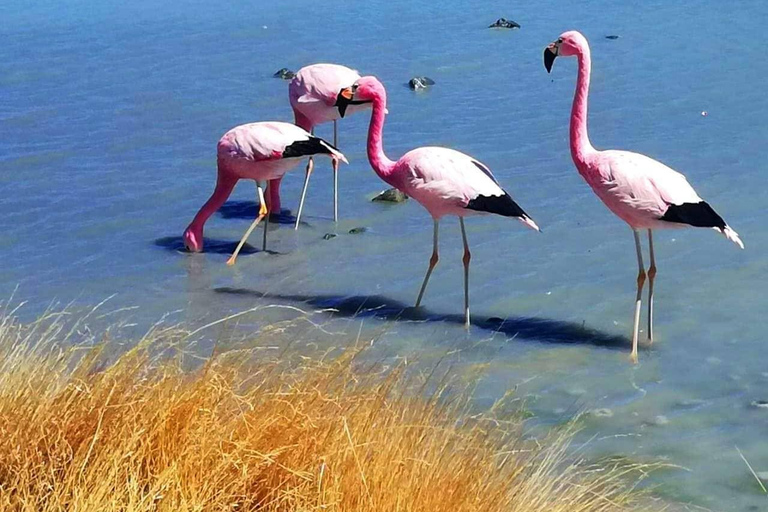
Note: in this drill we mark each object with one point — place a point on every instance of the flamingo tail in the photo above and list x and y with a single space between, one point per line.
731 235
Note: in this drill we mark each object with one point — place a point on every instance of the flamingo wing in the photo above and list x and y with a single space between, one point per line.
652 190
449 175
436 175
643 184
275 140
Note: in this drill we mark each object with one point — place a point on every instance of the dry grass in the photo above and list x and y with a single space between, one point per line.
240 433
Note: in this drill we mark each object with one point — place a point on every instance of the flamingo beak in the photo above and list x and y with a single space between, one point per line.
550 53
344 99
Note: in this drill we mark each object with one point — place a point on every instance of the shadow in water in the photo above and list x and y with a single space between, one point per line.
544 330
250 209
210 246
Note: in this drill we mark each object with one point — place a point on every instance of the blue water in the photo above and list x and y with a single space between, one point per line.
109 116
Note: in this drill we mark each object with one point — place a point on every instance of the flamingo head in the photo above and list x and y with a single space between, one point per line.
193 240
567 45
367 89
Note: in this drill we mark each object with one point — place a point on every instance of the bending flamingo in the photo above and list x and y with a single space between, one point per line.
442 180
315 98
641 191
256 151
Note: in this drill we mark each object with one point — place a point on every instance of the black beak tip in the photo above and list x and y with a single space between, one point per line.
549 59
342 103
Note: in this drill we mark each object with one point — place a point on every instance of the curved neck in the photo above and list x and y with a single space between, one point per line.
302 121
379 161
580 144
225 183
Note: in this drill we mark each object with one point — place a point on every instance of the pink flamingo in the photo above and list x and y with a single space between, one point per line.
641 191
315 98
442 180
256 151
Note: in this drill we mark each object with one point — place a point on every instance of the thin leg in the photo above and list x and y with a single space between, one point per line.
273 196
335 176
638 300
467 258
432 263
310 166
266 221
651 277
262 214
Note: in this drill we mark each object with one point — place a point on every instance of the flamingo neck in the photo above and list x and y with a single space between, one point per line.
580 144
382 165
225 183
302 121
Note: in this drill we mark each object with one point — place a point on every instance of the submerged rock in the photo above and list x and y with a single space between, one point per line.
285 74
420 82
504 23
357 231
612 37
602 413
328 236
391 195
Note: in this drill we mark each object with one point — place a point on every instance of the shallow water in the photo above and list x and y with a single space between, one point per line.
110 113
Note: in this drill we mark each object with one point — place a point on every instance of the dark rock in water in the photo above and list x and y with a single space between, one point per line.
357 231
328 236
420 82
760 404
611 37
391 195
285 74
504 23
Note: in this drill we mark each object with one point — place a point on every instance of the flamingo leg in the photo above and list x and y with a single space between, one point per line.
266 220
651 277
466 259
638 300
335 176
432 263
310 166
262 214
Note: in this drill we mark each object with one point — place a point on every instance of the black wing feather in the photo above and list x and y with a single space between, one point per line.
309 147
700 215
500 205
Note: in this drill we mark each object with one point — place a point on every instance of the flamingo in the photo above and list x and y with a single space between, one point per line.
261 152
641 191
442 180
315 99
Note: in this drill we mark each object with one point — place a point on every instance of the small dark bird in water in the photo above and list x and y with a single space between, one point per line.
504 23
285 74
420 82
612 37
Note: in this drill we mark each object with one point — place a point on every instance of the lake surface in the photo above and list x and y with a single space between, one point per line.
109 117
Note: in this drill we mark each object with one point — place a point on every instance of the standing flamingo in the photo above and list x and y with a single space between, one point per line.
641 191
315 98
442 180
261 152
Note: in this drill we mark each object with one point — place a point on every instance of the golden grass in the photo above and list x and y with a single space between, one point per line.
79 432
